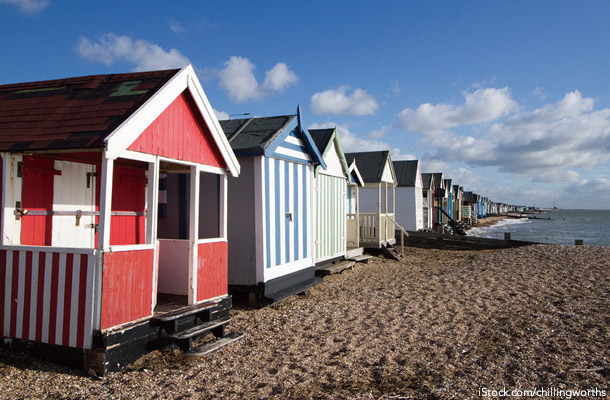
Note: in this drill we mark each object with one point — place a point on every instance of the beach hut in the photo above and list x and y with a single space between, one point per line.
457 202
376 199
428 200
271 211
354 182
330 205
440 194
467 208
448 201
409 195
86 266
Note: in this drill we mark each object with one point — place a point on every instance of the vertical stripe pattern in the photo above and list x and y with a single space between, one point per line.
47 297
330 216
286 201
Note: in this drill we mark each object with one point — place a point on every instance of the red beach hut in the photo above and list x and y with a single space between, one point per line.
93 251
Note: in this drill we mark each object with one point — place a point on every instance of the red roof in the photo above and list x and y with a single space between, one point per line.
72 113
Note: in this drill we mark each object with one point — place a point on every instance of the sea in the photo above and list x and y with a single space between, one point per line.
556 227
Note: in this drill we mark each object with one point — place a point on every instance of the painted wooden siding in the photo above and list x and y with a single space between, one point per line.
70 193
181 134
212 270
330 228
47 296
292 149
128 194
287 211
37 194
409 208
127 286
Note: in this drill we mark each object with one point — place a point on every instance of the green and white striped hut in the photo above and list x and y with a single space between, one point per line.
330 223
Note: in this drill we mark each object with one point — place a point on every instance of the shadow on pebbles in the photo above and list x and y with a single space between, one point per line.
437 325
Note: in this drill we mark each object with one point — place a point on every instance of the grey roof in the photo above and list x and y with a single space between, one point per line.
321 137
427 180
252 136
438 179
467 197
370 163
406 172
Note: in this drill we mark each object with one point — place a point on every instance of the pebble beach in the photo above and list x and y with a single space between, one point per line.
439 324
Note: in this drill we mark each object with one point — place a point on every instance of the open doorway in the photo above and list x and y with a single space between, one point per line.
174 230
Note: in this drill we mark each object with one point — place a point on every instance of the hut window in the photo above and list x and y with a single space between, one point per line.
209 206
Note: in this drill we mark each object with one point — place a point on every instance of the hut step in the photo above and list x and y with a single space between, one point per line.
215 345
389 253
185 312
184 339
329 269
363 258
170 321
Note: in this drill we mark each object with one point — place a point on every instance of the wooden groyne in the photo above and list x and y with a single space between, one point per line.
458 242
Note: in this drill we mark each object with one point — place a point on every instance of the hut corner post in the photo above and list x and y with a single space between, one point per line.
105 203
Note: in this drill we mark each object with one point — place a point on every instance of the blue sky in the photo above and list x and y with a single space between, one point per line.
510 99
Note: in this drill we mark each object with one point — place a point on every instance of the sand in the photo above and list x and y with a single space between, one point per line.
437 325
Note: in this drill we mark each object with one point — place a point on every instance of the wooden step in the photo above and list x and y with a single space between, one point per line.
389 253
185 312
184 339
336 268
363 258
215 345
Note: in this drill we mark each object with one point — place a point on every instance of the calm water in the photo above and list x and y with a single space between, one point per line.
564 226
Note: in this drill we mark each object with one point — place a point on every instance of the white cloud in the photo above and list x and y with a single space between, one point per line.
221 115
338 101
352 143
379 133
175 26
543 145
111 48
483 105
28 6
594 193
238 79
279 78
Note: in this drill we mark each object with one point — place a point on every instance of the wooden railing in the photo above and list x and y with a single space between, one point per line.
374 230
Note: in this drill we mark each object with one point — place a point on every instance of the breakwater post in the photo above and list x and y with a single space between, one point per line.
506 235
578 242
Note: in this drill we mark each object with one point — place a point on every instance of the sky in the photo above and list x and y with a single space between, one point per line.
509 99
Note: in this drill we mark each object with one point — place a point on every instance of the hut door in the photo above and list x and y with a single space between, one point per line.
74 205
37 196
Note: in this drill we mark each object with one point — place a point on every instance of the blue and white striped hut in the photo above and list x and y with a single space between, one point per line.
270 208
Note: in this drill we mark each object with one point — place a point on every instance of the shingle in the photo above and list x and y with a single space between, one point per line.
321 137
72 113
252 136
406 172
370 164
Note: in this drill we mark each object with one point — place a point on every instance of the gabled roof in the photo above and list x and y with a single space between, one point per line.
371 164
103 112
263 135
354 173
72 113
406 172
428 180
448 185
323 139
252 136
438 180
